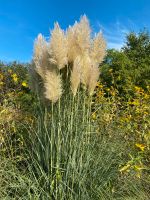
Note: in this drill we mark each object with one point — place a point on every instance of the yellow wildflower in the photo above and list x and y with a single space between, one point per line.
94 116
126 118
146 96
14 77
138 168
139 90
24 84
140 146
145 113
125 168
99 85
135 102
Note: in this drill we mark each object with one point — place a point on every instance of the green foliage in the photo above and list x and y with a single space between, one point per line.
129 67
137 49
115 71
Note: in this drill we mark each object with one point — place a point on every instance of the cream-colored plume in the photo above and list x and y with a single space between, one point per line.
83 34
89 72
53 86
85 69
40 57
58 48
93 77
78 38
75 75
73 50
89 53
98 48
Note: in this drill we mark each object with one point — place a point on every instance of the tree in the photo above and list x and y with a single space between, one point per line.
130 66
137 49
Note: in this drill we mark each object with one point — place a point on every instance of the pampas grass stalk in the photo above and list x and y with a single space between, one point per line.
98 48
53 86
58 47
93 78
40 56
75 76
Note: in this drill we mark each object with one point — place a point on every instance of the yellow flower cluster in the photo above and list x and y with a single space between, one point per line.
140 146
1 80
14 77
24 84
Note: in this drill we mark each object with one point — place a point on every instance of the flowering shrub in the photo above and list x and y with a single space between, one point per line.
15 99
129 118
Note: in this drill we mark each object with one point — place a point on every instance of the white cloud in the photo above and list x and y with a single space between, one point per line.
113 45
115 34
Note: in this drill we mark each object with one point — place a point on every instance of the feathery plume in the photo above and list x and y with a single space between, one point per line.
40 57
53 86
75 76
83 34
98 48
78 37
73 50
58 48
93 77
85 69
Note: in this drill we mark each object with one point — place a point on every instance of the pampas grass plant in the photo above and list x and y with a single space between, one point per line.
69 159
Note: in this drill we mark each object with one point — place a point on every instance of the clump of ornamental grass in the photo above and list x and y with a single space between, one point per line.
68 157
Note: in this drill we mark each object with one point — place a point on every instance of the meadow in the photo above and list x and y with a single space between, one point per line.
75 122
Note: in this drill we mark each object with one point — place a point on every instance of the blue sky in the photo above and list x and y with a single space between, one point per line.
22 20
